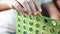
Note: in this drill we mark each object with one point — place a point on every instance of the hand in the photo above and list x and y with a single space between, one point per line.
28 6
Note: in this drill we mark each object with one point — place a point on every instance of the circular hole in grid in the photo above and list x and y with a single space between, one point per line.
24 15
30 17
37 25
18 19
18 25
24 32
30 29
45 20
44 28
58 32
37 31
37 18
31 23
24 27
19 30
24 21
18 13
52 30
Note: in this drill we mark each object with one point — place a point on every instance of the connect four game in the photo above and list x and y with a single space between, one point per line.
26 24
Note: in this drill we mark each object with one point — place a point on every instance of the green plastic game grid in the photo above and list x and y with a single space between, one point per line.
36 25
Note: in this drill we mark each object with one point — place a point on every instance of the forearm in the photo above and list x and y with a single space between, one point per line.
52 10
4 7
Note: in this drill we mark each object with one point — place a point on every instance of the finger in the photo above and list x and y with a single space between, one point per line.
37 5
13 4
32 6
54 16
13 7
19 8
25 5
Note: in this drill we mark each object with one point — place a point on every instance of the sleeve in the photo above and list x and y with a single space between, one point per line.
46 1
